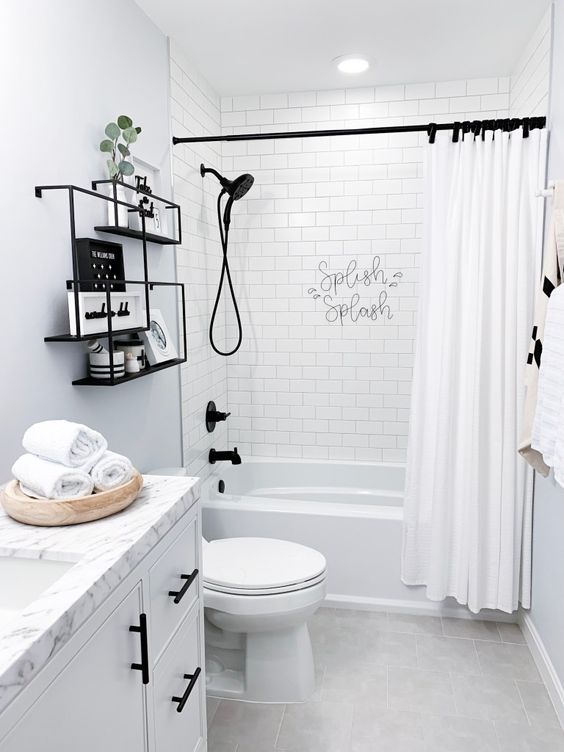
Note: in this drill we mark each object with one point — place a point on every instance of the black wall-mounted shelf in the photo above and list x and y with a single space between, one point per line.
76 283
127 232
151 237
94 335
89 381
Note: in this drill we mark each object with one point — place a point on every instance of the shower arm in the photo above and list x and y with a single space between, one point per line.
205 170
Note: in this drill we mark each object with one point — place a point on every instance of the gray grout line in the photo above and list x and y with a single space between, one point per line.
478 658
522 702
456 708
498 740
417 652
280 726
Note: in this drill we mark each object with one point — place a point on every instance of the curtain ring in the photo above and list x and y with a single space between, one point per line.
432 132
526 124
455 131
488 125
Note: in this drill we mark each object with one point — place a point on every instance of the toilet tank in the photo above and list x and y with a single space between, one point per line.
168 471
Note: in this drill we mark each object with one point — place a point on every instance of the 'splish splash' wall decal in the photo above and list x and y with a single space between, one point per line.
354 293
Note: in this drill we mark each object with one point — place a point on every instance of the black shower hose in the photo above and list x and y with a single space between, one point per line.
224 234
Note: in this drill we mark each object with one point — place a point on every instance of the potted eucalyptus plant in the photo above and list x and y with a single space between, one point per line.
119 137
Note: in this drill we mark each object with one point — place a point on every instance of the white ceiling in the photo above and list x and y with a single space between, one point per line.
262 46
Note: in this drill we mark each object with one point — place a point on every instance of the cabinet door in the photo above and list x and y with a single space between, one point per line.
180 726
175 571
97 703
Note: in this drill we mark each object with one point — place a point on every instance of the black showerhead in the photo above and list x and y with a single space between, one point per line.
240 186
235 188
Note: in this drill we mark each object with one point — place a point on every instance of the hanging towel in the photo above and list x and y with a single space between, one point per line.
111 470
44 479
71 444
549 415
552 273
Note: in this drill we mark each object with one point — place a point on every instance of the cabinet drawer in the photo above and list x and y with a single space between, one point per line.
174 572
179 690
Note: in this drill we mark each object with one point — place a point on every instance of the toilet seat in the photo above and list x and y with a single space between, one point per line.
265 591
260 566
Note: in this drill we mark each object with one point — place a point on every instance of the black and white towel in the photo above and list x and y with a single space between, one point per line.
552 275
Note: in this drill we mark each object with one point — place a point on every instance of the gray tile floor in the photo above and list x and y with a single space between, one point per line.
395 683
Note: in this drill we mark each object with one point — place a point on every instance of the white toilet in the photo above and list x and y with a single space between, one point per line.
258 595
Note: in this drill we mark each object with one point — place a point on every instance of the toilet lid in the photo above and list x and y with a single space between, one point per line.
250 564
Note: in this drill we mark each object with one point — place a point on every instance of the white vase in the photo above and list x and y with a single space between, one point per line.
122 213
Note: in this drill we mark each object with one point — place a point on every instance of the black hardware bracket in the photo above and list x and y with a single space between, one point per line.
188 691
178 595
144 665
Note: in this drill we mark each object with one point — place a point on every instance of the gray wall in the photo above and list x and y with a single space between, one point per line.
67 68
548 539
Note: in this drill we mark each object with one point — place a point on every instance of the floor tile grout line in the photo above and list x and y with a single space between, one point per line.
478 658
522 702
280 726
451 684
497 737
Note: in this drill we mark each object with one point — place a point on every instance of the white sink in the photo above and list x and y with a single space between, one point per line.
23 580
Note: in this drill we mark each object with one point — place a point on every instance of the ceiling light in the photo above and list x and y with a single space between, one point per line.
352 63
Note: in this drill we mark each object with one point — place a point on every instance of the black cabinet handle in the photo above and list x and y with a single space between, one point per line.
144 665
178 595
184 699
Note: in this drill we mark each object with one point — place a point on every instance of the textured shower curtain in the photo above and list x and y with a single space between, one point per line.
467 529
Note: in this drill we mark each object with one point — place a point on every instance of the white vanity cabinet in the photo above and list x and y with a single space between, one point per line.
132 678
97 702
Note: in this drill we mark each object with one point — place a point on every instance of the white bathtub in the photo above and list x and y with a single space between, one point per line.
351 512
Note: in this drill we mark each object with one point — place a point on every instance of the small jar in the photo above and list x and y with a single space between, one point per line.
100 365
131 363
133 346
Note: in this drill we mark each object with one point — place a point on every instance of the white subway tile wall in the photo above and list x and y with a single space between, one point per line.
529 83
195 110
313 380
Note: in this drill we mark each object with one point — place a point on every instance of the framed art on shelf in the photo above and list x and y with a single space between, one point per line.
159 346
127 312
149 177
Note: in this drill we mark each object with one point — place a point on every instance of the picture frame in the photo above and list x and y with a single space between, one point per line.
158 223
127 312
159 346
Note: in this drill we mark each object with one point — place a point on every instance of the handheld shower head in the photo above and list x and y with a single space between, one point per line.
236 188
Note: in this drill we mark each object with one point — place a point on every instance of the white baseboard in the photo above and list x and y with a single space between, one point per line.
544 664
422 608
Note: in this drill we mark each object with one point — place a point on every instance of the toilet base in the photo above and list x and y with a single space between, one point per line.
272 666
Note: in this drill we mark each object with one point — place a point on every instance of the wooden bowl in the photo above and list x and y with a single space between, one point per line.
53 512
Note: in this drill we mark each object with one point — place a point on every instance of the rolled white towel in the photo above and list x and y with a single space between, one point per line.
71 444
50 480
111 470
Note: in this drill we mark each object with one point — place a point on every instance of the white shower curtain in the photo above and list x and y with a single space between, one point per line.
467 529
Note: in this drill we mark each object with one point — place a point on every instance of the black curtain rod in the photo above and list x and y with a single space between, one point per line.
465 126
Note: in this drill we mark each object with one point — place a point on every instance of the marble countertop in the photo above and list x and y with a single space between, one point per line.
105 552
